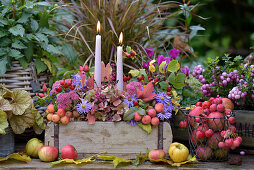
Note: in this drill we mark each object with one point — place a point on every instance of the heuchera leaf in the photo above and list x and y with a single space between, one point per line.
17 156
115 160
141 158
90 119
5 105
90 83
147 93
3 122
147 128
83 78
105 72
6 93
71 161
39 125
21 101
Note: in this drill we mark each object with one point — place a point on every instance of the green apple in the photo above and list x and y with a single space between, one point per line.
33 146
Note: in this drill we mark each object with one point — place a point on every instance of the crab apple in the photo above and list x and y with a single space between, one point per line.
65 85
198 104
146 119
233 147
59 89
206 104
69 114
209 133
152 112
159 107
215 121
218 101
197 111
194 138
200 134
221 144
49 116
220 108
228 103
61 112
137 116
65 120
62 82
75 113
183 124
86 68
236 143
197 119
207 111
51 108
203 152
72 87
55 118
213 108
169 89
155 121
233 129
211 99
222 133
229 142
169 93
231 120
239 138
214 140
228 112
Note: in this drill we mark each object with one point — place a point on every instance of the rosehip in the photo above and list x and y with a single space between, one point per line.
135 103
206 105
62 82
69 82
133 53
44 87
72 87
169 93
59 89
231 120
41 95
86 68
169 89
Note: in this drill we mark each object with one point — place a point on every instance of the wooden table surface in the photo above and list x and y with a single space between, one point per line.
248 163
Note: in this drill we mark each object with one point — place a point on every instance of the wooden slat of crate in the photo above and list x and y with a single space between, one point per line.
118 138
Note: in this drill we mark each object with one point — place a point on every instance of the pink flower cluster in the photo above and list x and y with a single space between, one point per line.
132 87
66 98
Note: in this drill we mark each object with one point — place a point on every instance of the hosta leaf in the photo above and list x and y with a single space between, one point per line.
130 114
147 128
21 101
173 66
17 30
20 122
17 156
18 44
71 161
5 105
115 160
3 122
141 158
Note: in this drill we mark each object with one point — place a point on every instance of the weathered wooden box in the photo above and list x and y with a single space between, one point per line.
119 138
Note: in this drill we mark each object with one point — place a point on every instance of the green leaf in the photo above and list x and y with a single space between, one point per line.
38 118
19 123
115 160
21 101
130 114
47 31
147 128
69 52
51 49
171 78
161 67
23 63
18 44
44 17
141 111
48 63
17 156
134 73
40 66
24 17
3 122
3 62
41 38
3 33
178 80
15 54
17 30
34 25
29 51
3 22
173 66
141 158
128 49
143 72
164 85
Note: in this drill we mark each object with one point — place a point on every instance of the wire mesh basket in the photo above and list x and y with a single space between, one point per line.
204 136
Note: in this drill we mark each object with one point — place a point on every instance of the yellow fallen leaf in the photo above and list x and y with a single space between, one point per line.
115 160
17 156
170 162
71 161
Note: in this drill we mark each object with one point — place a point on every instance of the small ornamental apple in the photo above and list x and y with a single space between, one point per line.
49 116
213 108
155 121
159 107
183 124
223 133
146 119
55 118
198 104
228 112
137 116
236 143
65 120
156 154
200 134
229 142
61 112
231 120
62 82
220 108
239 138
47 153
206 105
209 133
69 152
135 103
152 112
221 144
218 101
51 108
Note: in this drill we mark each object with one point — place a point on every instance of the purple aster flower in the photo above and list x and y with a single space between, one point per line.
165 115
77 82
186 70
149 52
129 100
168 107
84 106
174 53
132 122
162 98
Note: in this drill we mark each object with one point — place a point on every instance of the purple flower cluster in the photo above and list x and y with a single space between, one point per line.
174 53
66 98
149 52
77 81
98 95
84 107
130 99
197 73
132 87
185 70
167 103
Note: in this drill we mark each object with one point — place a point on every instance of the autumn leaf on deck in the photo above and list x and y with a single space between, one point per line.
141 158
147 93
115 160
17 156
105 72
170 162
71 161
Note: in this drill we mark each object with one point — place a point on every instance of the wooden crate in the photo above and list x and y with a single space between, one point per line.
119 138
245 126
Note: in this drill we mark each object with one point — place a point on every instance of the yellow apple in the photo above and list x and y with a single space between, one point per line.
178 152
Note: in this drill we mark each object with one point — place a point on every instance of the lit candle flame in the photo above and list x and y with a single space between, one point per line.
98 27
121 38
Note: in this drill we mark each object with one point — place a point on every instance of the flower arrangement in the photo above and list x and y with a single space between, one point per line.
227 77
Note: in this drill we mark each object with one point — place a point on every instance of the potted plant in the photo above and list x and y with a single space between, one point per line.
228 77
17 113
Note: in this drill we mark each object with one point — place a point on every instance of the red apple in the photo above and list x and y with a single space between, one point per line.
220 108
152 112
159 107
216 121
228 103
51 108
213 108
47 153
195 112
214 140
146 119
155 121
137 116
69 152
156 154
